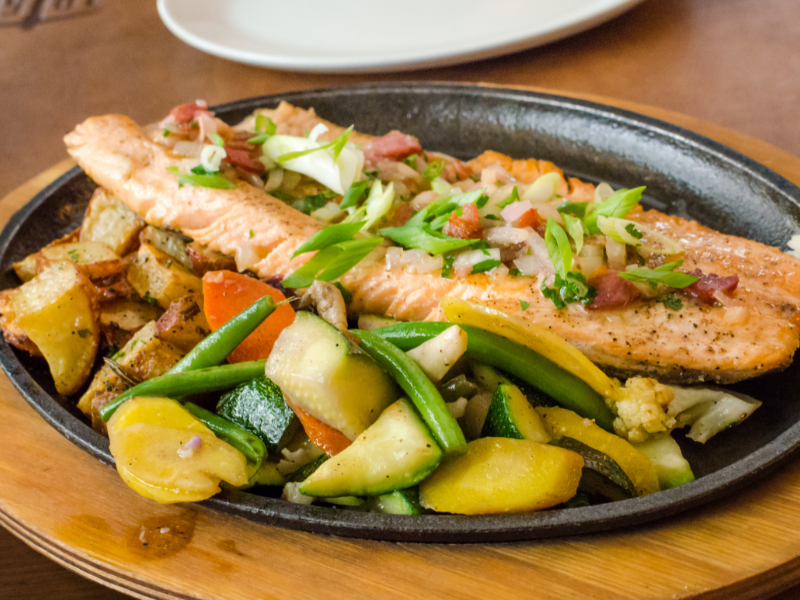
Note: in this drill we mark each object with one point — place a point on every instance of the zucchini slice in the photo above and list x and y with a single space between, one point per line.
396 452
400 502
601 475
490 378
322 373
512 416
666 457
259 407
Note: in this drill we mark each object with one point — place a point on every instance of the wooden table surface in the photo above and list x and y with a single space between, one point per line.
732 62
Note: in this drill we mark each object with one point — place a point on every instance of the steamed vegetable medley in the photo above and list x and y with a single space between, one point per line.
214 379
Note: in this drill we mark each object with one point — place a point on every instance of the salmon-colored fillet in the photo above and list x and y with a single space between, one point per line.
697 343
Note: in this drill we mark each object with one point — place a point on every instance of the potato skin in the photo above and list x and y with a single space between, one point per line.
184 324
205 259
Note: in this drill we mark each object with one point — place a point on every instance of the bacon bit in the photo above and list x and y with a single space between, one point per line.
400 215
613 292
185 112
705 289
395 146
533 219
456 170
244 155
467 226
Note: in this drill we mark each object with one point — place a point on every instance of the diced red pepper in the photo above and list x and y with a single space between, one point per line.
704 289
612 292
467 226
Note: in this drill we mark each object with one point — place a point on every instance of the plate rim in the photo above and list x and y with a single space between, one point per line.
428 528
566 27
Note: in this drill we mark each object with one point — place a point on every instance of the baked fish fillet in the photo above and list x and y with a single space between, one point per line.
757 334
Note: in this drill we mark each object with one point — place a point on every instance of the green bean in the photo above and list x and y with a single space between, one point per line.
245 442
568 390
172 385
419 388
217 346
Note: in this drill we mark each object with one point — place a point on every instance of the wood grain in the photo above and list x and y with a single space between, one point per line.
81 515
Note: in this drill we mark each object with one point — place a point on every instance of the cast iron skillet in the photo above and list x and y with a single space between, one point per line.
684 173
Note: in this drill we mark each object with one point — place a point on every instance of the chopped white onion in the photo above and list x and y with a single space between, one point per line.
189 149
515 210
318 130
274 179
378 203
211 156
505 236
457 408
328 213
794 244
603 192
422 200
529 265
544 188
539 249
413 261
190 447
202 104
617 253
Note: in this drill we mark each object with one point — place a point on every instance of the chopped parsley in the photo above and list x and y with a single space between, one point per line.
148 298
572 288
671 301
84 333
524 304
250 234
633 232
448 266
486 265
512 197
665 274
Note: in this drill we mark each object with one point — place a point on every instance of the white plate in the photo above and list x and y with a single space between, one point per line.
376 35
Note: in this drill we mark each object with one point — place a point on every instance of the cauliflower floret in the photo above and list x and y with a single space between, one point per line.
640 409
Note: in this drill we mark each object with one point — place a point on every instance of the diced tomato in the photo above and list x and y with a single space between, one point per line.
533 219
226 294
612 292
395 145
704 289
329 440
185 112
467 226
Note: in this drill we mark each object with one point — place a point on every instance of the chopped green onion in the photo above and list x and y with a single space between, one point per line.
265 125
524 304
433 170
512 197
214 181
250 235
486 265
425 238
618 205
337 145
558 247
573 208
575 228
411 161
217 139
166 133
665 274
572 288
378 203
333 234
332 262
444 206
354 194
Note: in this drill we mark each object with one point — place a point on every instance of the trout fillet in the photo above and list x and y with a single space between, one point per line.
756 334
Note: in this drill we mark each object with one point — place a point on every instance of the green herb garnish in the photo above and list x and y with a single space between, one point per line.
524 304
512 197
633 232
411 161
486 265
573 208
424 238
354 195
433 170
672 302
311 203
84 333
217 139
618 205
558 247
448 266
332 262
346 296
569 289
665 274
265 129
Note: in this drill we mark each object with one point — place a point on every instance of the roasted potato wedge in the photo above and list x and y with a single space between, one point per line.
143 357
26 268
168 242
12 332
56 311
93 259
120 319
109 220
204 259
156 275
184 325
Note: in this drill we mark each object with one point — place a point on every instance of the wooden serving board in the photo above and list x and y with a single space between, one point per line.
79 513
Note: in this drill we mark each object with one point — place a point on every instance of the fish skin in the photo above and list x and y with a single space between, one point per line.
696 344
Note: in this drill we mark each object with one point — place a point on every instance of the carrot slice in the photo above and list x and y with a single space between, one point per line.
226 294
330 440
